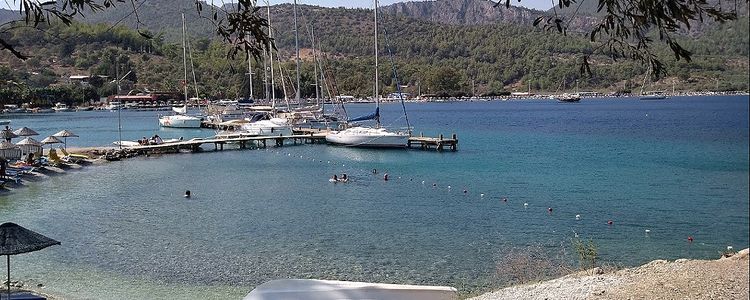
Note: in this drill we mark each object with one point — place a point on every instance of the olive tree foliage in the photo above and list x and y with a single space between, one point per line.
627 28
238 25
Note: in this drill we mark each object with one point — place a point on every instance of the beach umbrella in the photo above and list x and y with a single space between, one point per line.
25 131
51 140
7 134
15 239
29 142
65 134
8 150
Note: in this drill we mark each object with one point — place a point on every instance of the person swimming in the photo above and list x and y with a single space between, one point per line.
334 179
187 194
344 178
385 176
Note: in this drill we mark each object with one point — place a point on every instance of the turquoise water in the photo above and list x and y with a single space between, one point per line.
678 168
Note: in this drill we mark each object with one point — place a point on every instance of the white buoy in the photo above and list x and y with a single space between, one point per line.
481 195
449 187
525 205
578 217
648 230
422 181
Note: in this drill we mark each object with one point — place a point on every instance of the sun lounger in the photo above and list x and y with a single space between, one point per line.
74 158
54 160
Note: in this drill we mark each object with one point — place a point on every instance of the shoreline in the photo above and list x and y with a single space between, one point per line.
724 278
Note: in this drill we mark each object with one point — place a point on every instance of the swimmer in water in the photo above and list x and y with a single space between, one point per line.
334 179
385 176
344 178
187 194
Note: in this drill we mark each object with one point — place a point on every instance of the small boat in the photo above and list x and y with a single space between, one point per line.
114 105
330 289
658 95
568 98
61 107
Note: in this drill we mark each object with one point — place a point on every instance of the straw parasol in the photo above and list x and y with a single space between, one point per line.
51 140
15 239
65 134
7 134
14 150
25 131
28 141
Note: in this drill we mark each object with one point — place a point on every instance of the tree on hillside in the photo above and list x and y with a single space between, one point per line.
627 29
238 25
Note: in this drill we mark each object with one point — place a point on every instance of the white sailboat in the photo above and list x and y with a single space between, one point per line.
181 119
362 136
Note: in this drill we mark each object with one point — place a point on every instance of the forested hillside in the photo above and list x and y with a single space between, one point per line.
431 57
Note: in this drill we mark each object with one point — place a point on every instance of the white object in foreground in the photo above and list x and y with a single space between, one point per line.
311 289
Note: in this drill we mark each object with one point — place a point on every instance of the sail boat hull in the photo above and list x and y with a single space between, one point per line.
368 138
180 121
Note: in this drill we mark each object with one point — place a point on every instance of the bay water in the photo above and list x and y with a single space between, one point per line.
675 167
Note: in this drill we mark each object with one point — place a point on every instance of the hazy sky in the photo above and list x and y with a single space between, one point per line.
538 4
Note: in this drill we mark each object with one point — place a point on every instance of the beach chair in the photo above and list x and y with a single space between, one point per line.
54 160
73 158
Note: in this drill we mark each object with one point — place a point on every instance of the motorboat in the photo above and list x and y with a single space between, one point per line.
312 289
180 120
568 98
61 107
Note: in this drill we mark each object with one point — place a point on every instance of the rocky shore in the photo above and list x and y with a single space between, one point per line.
725 278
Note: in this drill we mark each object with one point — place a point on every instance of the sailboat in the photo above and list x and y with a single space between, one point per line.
362 136
181 119
651 95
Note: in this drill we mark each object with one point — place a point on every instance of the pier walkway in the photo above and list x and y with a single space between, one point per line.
300 136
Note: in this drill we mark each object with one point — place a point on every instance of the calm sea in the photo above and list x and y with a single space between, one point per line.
677 167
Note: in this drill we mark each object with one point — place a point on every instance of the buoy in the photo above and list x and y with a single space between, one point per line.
648 231
481 195
422 181
690 239
610 222
525 205
187 194
578 217
449 187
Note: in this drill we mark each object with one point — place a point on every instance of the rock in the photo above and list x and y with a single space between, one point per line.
681 260
599 293
597 271
40 285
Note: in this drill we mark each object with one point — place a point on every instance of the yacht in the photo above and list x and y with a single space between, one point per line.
61 107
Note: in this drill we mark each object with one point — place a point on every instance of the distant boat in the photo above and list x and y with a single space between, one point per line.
61 107
657 95
569 98
114 105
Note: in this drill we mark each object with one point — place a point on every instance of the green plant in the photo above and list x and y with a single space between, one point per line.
587 252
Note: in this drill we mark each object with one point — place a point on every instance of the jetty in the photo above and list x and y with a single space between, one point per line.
300 136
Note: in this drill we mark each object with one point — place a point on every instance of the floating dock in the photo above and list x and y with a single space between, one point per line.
301 136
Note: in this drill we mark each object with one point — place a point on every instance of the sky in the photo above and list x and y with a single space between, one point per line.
537 4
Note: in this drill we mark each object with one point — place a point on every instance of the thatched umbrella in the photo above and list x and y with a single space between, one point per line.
51 140
5 146
15 239
65 134
7 134
25 131
30 144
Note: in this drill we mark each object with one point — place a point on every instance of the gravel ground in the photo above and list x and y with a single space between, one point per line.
725 278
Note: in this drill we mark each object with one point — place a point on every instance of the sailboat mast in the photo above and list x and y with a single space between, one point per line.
270 53
315 64
377 94
184 59
250 72
296 49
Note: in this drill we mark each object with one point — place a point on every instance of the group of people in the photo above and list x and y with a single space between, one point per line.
343 178
154 140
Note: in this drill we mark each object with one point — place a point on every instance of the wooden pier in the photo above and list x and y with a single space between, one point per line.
438 143
301 136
